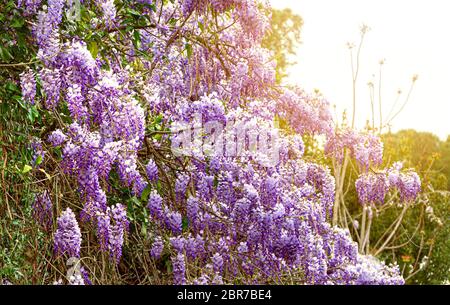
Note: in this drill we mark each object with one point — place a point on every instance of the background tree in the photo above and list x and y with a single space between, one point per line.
283 39
443 162
427 257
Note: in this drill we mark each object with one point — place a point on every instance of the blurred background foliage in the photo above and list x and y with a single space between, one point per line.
283 39
430 157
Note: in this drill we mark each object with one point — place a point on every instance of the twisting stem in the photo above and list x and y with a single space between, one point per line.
372 103
365 244
397 225
379 98
355 71
363 230
405 102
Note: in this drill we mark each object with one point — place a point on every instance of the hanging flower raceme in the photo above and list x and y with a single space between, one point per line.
372 188
43 210
409 185
179 269
67 238
30 7
111 228
371 272
157 248
57 137
28 85
109 12
152 170
51 83
38 151
366 148
305 113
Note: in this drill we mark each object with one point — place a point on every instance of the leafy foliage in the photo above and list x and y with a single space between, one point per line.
283 39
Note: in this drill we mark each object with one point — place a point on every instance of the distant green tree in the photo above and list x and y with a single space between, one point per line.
425 252
443 163
420 150
283 38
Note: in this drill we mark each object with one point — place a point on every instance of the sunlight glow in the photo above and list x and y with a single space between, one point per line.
412 38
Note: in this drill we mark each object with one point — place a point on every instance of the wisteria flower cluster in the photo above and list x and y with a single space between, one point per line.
111 227
68 235
258 227
373 187
43 210
365 147
228 211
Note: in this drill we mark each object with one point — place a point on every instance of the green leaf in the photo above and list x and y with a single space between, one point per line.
137 39
145 193
159 118
39 160
189 50
12 87
33 113
30 116
5 55
46 174
17 22
185 223
26 169
172 21
93 48
133 12
201 26
144 230
158 186
136 201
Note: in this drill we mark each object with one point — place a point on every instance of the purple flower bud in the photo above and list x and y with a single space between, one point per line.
43 210
178 243
217 263
173 221
51 83
372 188
179 269
57 137
157 248
155 205
152 170
181 186
67 238
28 84
118 229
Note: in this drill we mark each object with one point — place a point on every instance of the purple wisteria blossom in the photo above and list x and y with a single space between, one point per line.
28 85
112 226
157 248
152 170
179 269
373 187
43 210
67 238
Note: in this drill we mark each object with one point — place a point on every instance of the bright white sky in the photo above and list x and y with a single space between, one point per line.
413 36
